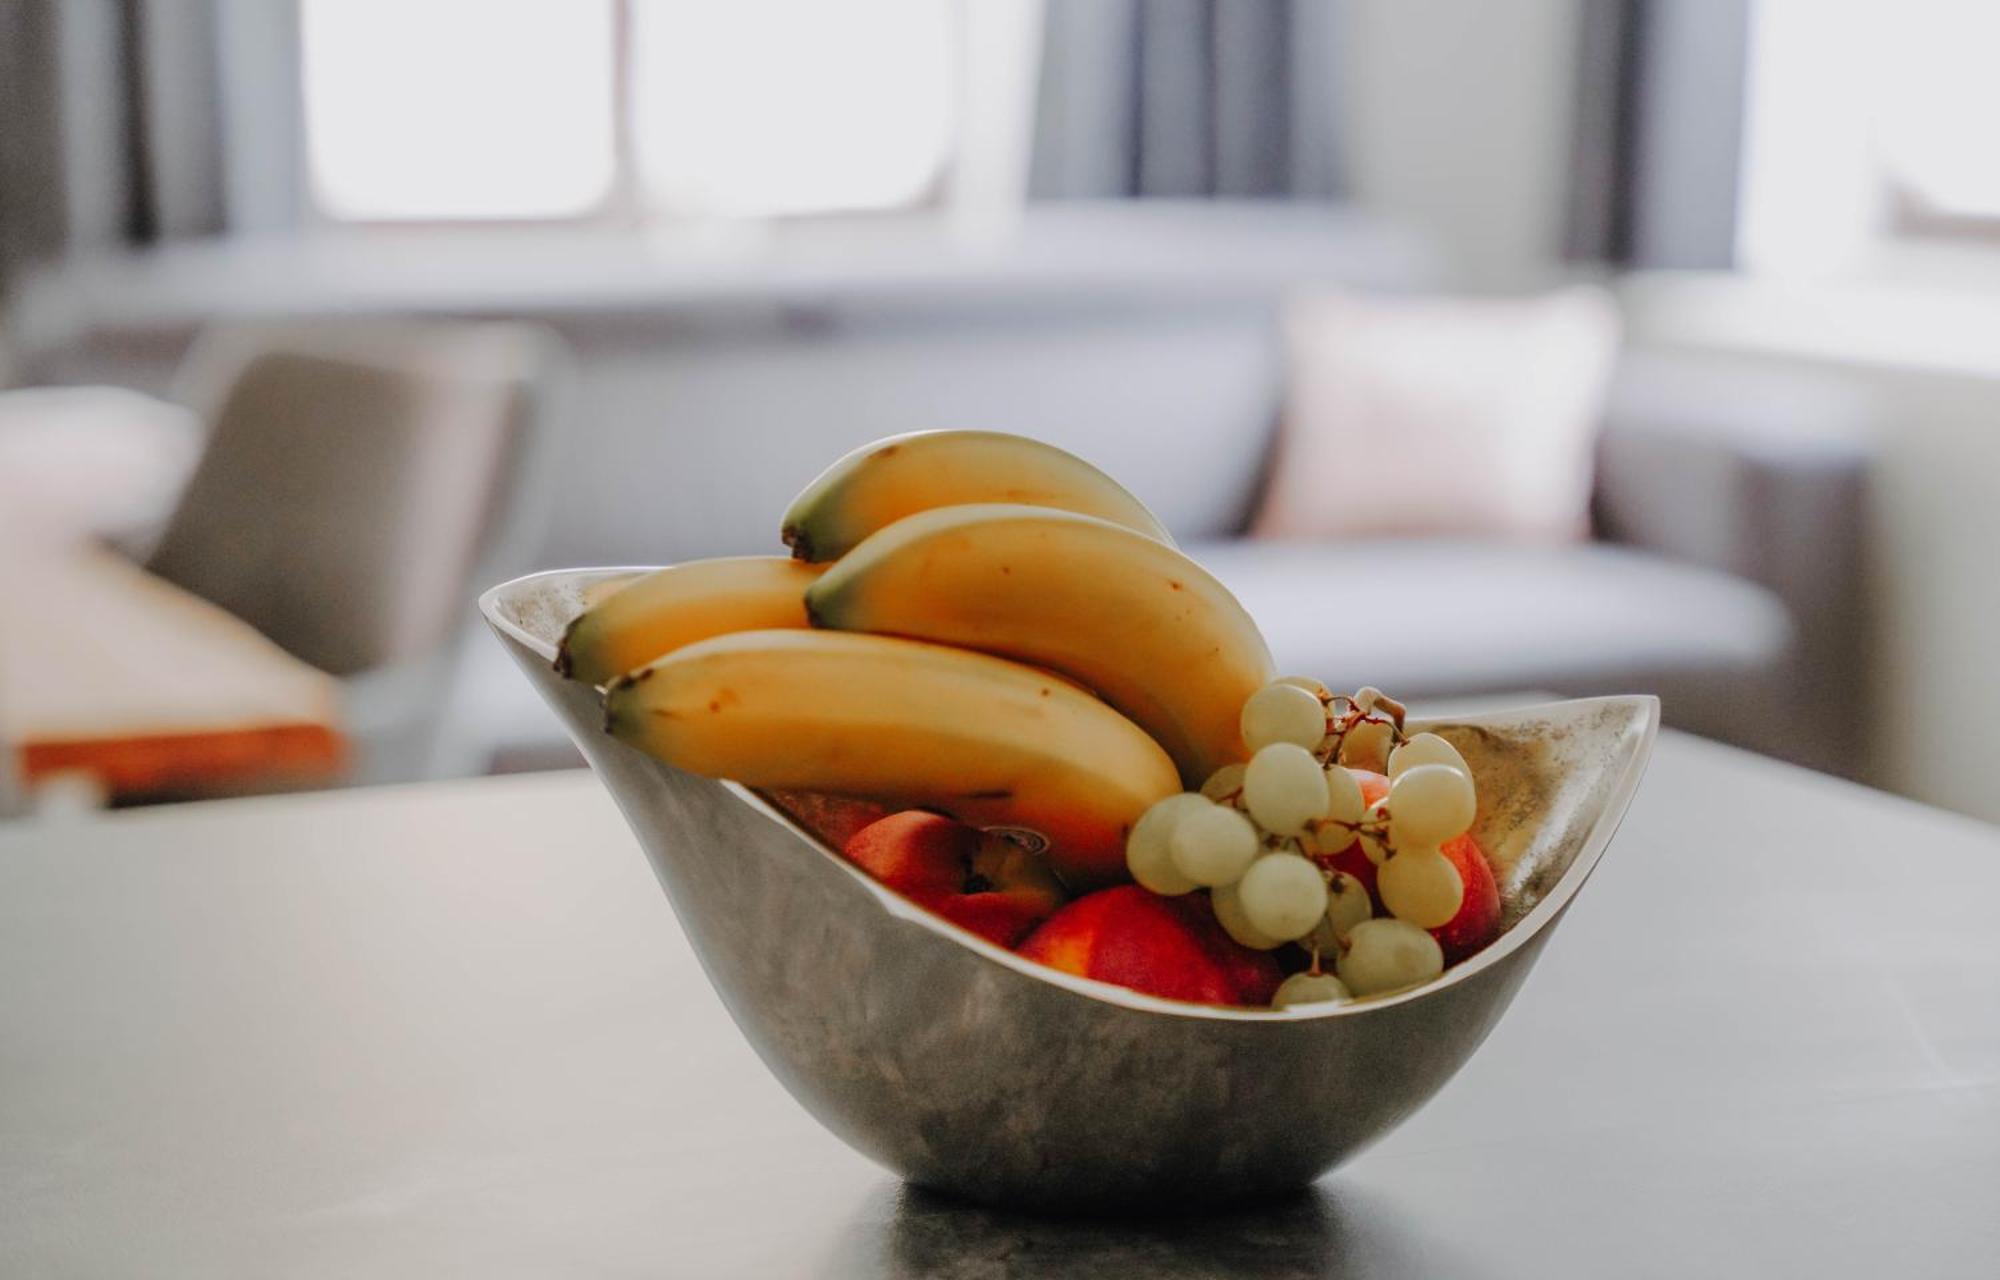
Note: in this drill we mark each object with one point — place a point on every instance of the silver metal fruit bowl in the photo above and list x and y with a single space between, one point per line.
962 1066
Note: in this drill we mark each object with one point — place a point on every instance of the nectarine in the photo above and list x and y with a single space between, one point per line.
980 882
1170 947
1478 920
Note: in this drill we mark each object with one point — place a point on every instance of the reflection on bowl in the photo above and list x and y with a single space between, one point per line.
913 1234
964 1067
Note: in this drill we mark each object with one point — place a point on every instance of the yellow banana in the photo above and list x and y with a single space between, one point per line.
881 483
1134 619
663 610
987 741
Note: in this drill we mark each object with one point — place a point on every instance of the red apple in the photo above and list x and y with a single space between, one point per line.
1169 947
982 883
1478 920
916 853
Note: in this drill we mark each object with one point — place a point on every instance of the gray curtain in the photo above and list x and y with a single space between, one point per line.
174 132
32 221
1659 132
111 128
1187 98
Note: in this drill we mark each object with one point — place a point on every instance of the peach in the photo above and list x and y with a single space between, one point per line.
980 882
1169 947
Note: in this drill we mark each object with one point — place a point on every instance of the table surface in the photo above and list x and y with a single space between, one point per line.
109 671
454 1030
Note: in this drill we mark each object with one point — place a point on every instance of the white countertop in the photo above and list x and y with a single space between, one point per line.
454 1030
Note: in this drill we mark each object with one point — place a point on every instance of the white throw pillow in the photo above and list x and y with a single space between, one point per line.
1441 416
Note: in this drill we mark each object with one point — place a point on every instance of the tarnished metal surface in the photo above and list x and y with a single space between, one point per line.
965 1067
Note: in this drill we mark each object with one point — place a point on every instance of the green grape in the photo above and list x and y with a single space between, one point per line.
1347 905
1310 685
1327 837
1426 748
1213 846
1387 955
1366 745
1282 713
1309 988
1429 805
1421 886
1284 788
1225 783
1228 906
1344 801
1283 896
1378 853
1149 849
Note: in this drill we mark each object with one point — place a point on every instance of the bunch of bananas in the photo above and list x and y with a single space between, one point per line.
971 622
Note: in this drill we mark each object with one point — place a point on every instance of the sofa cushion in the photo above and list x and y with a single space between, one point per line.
1478 414
1428 618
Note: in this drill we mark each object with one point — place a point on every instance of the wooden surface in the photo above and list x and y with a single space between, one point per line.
454 1030
109 671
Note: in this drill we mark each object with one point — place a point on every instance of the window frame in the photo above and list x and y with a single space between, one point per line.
997 50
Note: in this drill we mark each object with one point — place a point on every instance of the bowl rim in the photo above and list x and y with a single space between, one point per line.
1544 912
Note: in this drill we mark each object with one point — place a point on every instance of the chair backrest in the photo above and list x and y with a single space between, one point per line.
359 479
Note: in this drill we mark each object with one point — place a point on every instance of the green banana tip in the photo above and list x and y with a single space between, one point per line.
612 697
565 663
795 537
816 607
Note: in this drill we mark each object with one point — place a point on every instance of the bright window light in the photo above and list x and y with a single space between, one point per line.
1940 103
761 107
1811 187
1866 120
458 109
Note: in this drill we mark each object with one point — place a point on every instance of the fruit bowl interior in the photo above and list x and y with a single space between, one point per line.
964 1066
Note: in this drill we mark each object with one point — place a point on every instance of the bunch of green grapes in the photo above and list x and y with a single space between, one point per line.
1260 836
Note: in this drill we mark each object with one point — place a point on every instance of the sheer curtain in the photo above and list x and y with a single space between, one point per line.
1659 131
142 121
1188 98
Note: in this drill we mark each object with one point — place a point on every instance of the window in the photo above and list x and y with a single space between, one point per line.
768 107
1870 122
430 109
1937 120
541 109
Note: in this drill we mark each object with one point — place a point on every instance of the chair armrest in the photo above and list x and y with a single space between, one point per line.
1754 469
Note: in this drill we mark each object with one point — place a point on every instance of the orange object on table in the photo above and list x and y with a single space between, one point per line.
108 671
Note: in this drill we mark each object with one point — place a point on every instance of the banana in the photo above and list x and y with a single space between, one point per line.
663 610
881 483
1133 618
988 741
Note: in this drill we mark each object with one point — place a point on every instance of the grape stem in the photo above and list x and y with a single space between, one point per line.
1376 829
1312 948
1342 722
1368 698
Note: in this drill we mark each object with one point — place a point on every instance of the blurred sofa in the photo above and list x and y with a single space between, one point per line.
1723 573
